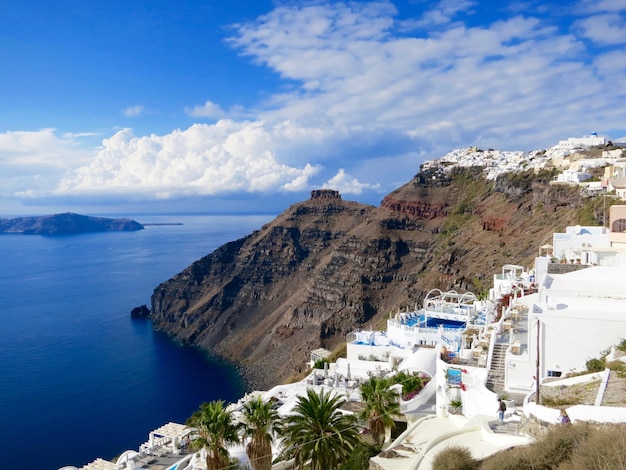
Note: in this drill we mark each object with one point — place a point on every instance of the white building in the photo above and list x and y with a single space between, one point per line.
571 176
574 315
582 142
615 177
443 320
583 245
573 318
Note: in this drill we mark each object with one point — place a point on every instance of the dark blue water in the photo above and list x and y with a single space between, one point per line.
78 378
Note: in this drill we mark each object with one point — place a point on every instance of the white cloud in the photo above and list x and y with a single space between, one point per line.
40 149
346 184
207 110
485 81
597 6
301 183
612 63
442 13
31 162
205 159
602 22
357 91
604 29
134 111
76 135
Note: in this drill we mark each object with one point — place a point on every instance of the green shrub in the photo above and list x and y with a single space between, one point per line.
412 384
456 402
465 207
319 364
455 458
595 365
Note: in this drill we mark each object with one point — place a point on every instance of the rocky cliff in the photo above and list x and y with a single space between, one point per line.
327 266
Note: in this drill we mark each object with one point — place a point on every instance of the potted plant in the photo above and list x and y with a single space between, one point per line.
456 405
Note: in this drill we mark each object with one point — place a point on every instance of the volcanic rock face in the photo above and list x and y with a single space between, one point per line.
140 313
326 266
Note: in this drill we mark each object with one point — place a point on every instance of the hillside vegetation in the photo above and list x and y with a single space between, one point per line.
575 447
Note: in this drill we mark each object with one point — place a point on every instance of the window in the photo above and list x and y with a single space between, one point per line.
619 226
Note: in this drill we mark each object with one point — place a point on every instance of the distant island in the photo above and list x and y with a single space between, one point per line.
65 224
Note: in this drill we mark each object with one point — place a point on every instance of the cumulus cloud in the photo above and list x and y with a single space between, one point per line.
205 159
134 111
346 184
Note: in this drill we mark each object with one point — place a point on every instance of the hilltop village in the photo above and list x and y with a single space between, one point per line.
593 162
537 337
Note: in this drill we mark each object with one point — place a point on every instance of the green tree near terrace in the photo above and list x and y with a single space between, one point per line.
318 436
216 430
260 423
381 405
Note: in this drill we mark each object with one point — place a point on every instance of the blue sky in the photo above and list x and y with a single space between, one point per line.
205 106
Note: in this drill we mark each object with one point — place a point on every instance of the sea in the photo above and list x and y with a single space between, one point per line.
80 379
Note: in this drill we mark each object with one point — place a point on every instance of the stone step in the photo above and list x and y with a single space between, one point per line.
495 377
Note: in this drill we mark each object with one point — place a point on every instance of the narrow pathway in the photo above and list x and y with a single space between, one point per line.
495 377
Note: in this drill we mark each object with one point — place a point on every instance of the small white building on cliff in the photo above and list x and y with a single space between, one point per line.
591 140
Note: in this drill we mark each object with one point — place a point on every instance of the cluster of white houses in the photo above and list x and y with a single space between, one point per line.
569 156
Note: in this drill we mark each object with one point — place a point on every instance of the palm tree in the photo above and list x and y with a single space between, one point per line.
216 430
260 423
317 434
381 405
